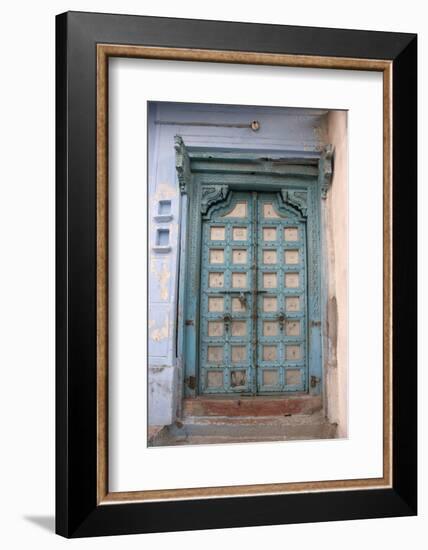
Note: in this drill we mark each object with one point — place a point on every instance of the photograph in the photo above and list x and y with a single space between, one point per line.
248 273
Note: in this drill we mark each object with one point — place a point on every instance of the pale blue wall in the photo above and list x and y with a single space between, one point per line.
280 128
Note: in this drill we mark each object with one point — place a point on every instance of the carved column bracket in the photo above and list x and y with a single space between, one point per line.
326 170
182 164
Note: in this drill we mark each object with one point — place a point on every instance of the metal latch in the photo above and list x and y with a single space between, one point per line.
242 299
191 382
281 320
227 320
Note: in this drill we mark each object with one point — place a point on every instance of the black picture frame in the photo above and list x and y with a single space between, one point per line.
77 511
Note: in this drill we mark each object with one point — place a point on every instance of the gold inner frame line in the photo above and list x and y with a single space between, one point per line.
104 52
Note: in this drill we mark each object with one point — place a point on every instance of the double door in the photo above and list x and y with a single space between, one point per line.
253 312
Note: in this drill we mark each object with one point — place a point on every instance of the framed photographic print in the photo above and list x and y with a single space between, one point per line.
236 274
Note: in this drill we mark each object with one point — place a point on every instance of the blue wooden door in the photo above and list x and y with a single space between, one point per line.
253 297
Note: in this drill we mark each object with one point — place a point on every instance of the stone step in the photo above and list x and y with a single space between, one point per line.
205 430
300 403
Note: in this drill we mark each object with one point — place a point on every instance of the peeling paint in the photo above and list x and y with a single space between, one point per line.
165 191
160 333
163 274
156 370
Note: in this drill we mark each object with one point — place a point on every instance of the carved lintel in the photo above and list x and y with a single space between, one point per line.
326 170
182 164
212 194
296 199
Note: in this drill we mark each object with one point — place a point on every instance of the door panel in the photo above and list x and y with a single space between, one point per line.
226 299
281 311
253 298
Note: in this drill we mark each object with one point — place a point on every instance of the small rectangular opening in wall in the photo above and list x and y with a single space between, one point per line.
164 208
162 238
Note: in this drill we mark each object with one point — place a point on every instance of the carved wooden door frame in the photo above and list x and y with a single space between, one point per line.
206 176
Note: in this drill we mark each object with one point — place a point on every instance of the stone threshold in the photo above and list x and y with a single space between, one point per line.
251 406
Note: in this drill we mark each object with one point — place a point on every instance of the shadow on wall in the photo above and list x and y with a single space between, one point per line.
45 522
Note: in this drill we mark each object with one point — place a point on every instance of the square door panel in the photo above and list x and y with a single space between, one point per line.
293 377
291 257
239 280
216 280
218 233
291 234
269 257
270 353
270 280
292 328
215 303
239 354
270 377
215 354
292 303
239 233
217 256
239 256
214 379
215 328
269 233
270 304
237 305
270 328
239 328
292 280
292 353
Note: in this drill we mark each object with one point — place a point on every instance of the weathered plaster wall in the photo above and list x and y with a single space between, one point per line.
336 228
284 129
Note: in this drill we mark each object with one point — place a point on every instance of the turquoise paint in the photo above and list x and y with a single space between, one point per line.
271 355
227 357
295 191
289 367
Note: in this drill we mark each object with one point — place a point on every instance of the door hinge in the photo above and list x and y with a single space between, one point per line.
191 382
314 381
